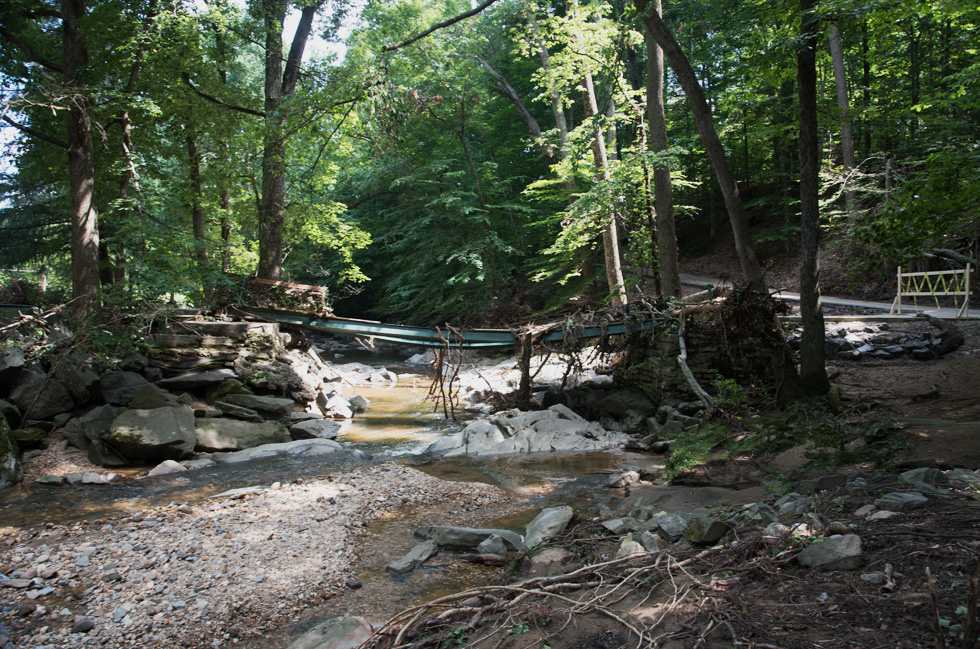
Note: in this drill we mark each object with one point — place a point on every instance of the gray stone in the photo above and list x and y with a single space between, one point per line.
336 633
704 530
620 480
161 433
83 626
165 467
315 428
757 514
80 432
493 544
334 405
621 525
922 474
192 380
232 434
963 478
466 537
238 412
119 388
898 500
793 504
833 553
415 558
551 561
27 438
40 396
629 548
358 403
102 454
151 396
823 483
90 477
78 377
225 388
864 510
152 374
272 407
671 526
546 525
303 447
133 363
882 515
775 531
649 541
56 480
296 417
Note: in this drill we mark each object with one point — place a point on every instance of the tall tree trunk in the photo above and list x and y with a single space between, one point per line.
610 234
663 192
813 373
197 212
225 230
87 302
914 84
279 86
846 131
747 256
866 83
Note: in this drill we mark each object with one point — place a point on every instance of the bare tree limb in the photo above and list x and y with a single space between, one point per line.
443 24
29 51
35 133
214 100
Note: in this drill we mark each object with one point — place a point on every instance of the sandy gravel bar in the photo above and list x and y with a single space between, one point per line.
211 574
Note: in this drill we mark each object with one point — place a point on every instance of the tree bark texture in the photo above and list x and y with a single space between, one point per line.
846 129
279 85
701 112
87 303
610 233
670 280
813 373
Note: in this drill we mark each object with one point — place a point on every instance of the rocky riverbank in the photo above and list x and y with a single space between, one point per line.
215 573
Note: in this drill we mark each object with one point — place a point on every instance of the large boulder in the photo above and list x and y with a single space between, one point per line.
336 633
158 434
12 361
271 407
549 523
415 558
833 553
226 387
10 469
41 396
11 412
315 428
220 434
151 396
76 374
298 448
119 388
82 431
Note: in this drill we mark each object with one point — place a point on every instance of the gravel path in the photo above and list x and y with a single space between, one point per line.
208 575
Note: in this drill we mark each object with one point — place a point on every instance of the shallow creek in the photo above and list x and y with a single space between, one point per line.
398 426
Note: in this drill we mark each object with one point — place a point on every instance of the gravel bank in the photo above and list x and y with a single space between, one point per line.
208 575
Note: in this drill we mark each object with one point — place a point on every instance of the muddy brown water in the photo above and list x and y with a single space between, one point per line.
398 426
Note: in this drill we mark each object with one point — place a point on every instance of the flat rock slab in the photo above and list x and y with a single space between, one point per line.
167 466
273 407
299 447
336 633
898 500
467 537
833 553
415 558
546 525
192 380
219 434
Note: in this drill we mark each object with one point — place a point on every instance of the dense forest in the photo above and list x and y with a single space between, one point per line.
431 161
